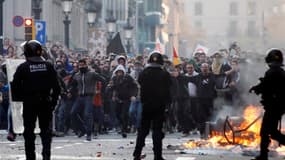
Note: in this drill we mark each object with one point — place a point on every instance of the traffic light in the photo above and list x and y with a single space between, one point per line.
29 29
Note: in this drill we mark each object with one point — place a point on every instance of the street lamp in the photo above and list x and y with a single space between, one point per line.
111 25
36 8
128 34
91 10
138 2
66 6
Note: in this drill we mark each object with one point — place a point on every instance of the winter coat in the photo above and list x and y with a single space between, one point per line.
35 79
205 85
272 88
124 86
86 82
179 90
155 86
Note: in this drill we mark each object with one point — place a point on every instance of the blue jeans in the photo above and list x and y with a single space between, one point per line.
59 116
83 104
135 112
3 114
10 122
113 118
99 115
63 114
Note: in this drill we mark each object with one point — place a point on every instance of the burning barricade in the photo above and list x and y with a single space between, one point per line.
232 134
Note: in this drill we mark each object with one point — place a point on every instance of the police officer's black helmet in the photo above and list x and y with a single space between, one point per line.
32 48
274 57
156 57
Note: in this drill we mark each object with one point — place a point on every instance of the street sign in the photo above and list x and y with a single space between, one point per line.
18 21
40 31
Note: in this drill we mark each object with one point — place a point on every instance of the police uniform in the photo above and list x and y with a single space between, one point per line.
272 89
35 84
155 95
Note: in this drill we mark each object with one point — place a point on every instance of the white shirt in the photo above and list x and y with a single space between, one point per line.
192 88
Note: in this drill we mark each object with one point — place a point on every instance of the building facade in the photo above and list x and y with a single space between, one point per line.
51 12
217 24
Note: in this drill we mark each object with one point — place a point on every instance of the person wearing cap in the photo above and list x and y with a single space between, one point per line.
271 88
35 84
155 83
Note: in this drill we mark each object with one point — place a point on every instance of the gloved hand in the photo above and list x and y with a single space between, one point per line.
254 89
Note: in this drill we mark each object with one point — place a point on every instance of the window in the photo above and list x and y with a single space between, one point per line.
198 9
153 5
233 28
233 8
251 29
251 11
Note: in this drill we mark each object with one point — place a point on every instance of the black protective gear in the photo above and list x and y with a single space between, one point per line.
274 57
156 57
32 48
271 88
35 83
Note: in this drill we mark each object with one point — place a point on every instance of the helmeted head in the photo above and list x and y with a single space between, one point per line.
155 57
32 48
274 57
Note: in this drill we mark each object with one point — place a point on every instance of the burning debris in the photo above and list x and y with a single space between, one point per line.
231 135
242 131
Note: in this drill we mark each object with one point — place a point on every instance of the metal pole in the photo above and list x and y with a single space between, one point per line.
128 46
137 27
1 26
66 30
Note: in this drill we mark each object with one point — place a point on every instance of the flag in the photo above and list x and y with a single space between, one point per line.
158 46
175 58
115 45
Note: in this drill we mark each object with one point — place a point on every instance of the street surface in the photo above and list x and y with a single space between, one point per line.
109 147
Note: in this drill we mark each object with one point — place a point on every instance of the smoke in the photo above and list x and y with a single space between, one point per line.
251 69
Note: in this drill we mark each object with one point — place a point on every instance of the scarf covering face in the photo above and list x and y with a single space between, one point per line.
216 66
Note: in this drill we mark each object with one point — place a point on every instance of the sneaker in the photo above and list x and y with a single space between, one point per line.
88 138
11 137
80 134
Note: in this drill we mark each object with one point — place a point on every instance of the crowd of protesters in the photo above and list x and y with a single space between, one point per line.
100 93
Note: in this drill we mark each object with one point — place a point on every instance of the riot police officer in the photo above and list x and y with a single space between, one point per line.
271 88
155 95
35 84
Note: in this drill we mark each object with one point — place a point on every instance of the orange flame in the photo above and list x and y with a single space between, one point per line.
248 136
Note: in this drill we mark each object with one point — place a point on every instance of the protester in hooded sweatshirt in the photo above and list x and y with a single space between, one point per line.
124 90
